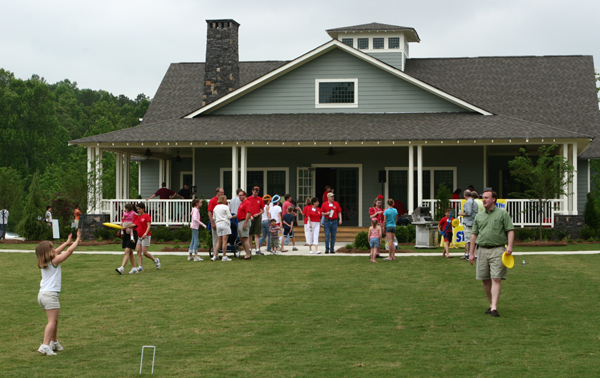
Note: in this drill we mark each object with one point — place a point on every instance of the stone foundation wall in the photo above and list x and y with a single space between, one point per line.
90 222
572 223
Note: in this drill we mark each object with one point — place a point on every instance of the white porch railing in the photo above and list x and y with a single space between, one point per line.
523 212
162 212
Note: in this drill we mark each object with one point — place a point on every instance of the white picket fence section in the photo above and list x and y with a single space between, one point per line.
523 212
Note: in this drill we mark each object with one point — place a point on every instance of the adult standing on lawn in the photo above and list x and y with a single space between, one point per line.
143 223
244 222
389 220
256 207
470 210
492 230
3 223
332 212
211 207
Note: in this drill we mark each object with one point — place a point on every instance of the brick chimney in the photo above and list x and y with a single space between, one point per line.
221 71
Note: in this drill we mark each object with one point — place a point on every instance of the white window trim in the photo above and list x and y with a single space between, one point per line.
347 105
181 174
264 170
431 178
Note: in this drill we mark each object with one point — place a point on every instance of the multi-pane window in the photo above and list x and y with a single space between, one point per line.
348 41
363 43
275 183
377 43
336 92
394 43
443 177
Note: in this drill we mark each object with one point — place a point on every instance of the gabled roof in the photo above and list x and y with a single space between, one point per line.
410 33
333 44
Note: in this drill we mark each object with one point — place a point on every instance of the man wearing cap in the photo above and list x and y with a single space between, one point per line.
332 212
256 207
492 230
470 210
213 226
244 224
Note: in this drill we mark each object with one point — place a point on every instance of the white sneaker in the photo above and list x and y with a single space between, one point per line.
190 258
157 262
45 349
198 258
140 269
56 346
133 271
225 258
318 252
311 252
214 258
120 270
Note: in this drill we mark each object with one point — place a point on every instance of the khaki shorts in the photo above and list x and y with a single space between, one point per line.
489 263
467 232
255 227
145 242
48 300
241 232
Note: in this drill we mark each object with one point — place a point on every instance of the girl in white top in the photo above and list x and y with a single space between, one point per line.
276 214
49 260
222 217
265 222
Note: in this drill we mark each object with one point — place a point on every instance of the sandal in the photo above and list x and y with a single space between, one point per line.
247 257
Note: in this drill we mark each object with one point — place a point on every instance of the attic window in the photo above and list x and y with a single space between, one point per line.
394 43
377 43
348 41
363 43
336 93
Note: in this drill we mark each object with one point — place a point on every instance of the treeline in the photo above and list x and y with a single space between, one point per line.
38 120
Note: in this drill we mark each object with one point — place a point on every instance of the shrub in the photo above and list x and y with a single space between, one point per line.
547 234
105 233
443 201
402 234
349 246
183 234
412 233
590 214
561 234
525 233
361 241
587 232
161 233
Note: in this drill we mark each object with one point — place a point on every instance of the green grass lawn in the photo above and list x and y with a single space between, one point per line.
279 316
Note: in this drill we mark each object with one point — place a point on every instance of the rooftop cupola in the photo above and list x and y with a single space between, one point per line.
222 68
388 43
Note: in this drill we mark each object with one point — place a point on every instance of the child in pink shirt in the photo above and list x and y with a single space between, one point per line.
127 220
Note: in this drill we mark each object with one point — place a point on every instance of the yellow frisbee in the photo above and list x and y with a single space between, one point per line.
455 222
112 225
508 260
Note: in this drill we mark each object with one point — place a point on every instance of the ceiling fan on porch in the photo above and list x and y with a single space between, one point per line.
148 154
178 158
331 153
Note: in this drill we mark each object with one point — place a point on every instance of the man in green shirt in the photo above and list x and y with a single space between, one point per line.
492 230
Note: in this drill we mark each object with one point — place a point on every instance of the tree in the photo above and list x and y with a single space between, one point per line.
546 179
443 201
11 187
31 226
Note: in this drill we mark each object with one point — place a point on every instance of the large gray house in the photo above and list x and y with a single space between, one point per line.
359 114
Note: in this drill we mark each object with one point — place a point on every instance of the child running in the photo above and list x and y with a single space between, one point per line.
445 228
128 217
49 260
375 237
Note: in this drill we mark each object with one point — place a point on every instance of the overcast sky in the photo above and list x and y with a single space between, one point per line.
126 46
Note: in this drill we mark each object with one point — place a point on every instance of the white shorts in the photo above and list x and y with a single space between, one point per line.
223 229
48 300
145 242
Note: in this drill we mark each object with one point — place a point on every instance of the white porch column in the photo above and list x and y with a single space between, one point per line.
161 172
119 175
126 174
168 173
91 180
420 175
243 167
565 198
411 179
99 172
574 184
234 170
94 166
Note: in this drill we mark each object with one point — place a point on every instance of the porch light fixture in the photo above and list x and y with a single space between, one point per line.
148 154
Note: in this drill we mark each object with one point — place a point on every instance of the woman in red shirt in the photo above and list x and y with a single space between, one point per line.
377 210
312 214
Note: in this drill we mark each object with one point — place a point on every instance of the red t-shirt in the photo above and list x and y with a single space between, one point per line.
327 206
255 204
243 210
373 210
141 221
325 196
164 193
313 213
212 203
443 223
285 206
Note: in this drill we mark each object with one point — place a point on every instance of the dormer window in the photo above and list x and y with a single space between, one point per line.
378 43
363 43
393 43
348 41
336 93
